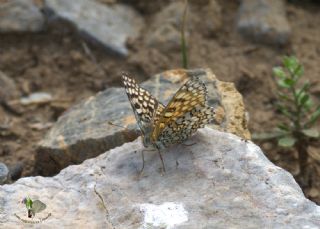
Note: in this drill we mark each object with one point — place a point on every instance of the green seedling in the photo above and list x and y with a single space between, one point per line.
298 110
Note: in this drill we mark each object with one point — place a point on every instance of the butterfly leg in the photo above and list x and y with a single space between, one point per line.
163 167
142 154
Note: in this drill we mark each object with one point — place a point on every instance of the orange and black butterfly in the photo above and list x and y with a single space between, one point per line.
162 126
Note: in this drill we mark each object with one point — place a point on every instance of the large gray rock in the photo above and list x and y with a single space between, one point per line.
219 182
20 16
264 21
110 26
85 132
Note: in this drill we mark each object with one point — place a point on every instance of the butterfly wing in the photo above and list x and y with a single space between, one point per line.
192 94
182 128
145 107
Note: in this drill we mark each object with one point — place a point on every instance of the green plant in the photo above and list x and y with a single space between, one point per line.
295 104
183 37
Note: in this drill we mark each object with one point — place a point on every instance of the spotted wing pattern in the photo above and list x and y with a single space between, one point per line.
182 128
191 95
146 108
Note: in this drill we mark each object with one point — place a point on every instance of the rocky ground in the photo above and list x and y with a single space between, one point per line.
226 183
71 59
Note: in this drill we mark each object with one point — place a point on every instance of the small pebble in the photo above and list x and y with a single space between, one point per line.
16 171
36 98
4 172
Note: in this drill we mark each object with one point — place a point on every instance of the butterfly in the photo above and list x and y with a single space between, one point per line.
162 126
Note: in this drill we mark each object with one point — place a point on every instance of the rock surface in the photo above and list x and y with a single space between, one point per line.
20 16
264 21
219 182
84 131
110 26
4 173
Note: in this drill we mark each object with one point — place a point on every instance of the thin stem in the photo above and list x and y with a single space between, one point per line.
183 39
302 143
301 147
297 109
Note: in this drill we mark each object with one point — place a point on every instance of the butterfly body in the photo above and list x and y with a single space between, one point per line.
162 126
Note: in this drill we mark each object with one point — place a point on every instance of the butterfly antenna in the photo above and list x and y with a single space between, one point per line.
112 124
